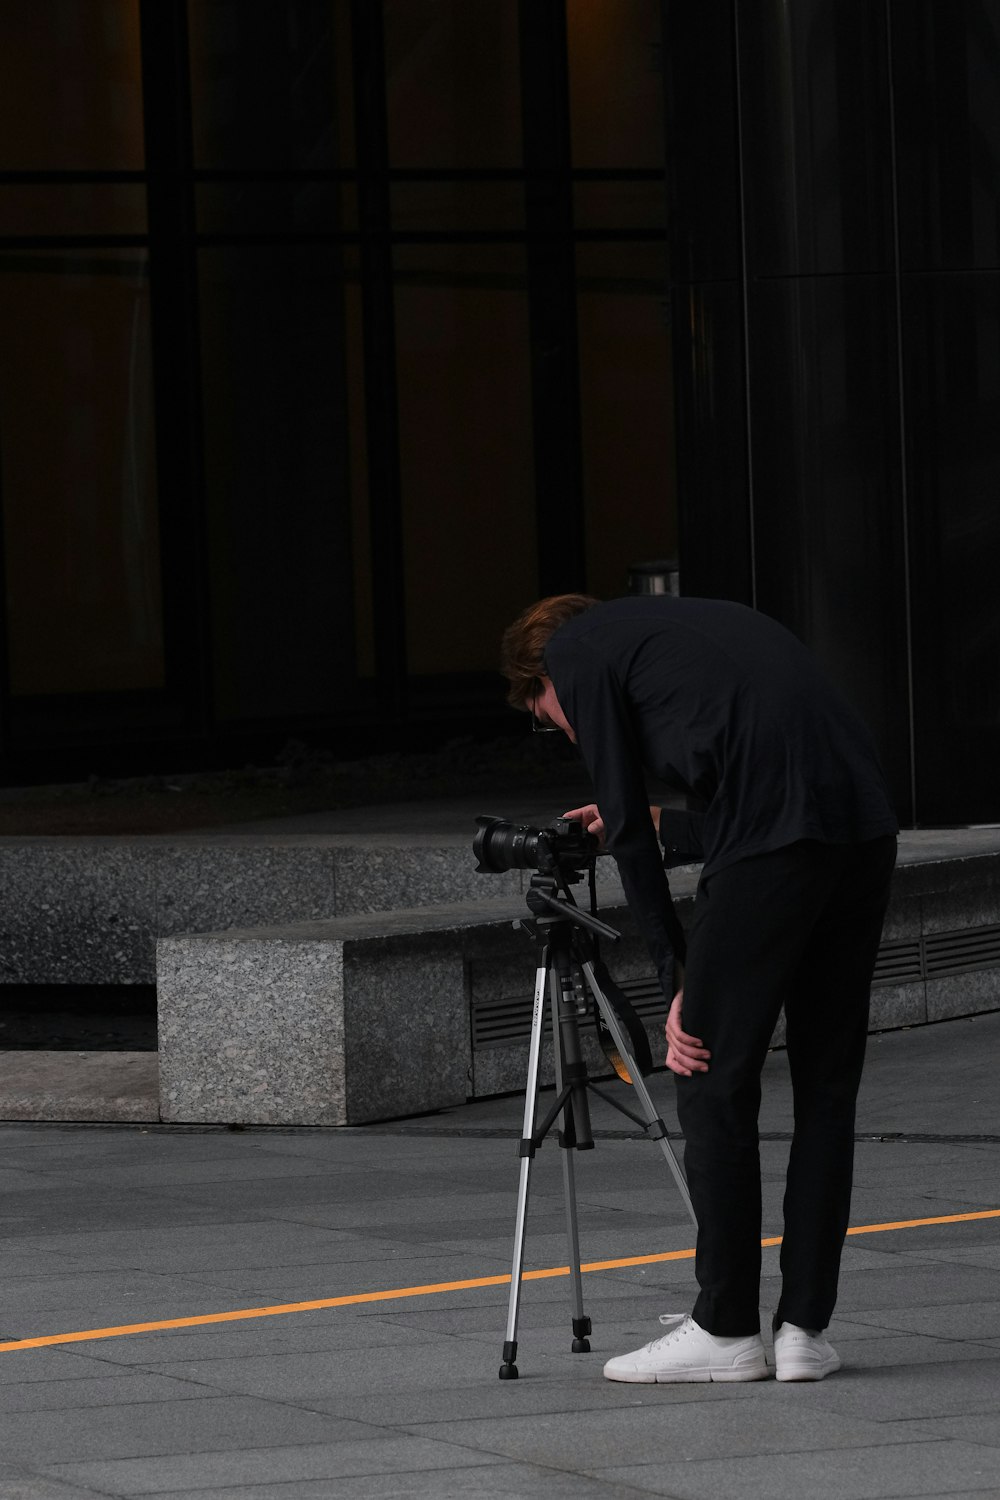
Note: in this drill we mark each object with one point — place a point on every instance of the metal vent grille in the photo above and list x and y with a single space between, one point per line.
646 996
958 952
899 963
498 1022
938 953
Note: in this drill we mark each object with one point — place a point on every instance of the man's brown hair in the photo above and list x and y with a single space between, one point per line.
522 649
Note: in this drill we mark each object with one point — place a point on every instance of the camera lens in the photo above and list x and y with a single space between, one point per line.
500 846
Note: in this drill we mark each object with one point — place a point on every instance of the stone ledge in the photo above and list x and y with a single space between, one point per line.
90 911
361 1018
88 1087
338 1022
947 880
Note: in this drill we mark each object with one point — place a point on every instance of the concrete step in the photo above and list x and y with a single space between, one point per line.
98 1087
90 910
377 1015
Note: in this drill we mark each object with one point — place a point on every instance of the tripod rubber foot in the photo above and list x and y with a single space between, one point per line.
508 1372
581 1346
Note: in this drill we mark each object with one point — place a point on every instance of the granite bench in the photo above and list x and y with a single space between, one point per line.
380 1015
356 1018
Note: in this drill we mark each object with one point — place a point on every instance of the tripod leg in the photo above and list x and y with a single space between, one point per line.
508 1370
655 1127
567 1140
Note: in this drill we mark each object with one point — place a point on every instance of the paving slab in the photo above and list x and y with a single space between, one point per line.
499 1481
118 1226
916 1468
280 1465
16 1484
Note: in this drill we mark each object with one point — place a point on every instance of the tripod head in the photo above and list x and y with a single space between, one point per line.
542 900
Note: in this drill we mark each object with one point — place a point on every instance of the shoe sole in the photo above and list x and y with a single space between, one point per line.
806 1372
687 1377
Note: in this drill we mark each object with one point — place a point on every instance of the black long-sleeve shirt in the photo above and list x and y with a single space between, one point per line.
726 705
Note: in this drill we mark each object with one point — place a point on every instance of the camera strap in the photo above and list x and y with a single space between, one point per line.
628 1020
622 1006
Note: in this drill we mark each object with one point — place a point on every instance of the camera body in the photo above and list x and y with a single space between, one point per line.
563 846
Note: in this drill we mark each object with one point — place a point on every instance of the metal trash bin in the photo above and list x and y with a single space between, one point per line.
661 576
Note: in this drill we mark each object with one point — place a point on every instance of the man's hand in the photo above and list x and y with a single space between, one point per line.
685 1054
590 817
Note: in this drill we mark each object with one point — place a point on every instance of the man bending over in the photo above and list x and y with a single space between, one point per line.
798 841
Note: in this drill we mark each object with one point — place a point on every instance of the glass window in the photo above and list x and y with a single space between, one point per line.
626 399
616 85
281 209
271 84
81 542
461 205
465 451
357 444
278 490
628 204
72 208
452 89
70 85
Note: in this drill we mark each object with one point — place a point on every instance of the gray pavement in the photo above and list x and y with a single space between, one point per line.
112 1227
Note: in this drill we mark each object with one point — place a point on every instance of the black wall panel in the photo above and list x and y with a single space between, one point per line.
829 538
946 87
952 389
863 326
815 137
712 480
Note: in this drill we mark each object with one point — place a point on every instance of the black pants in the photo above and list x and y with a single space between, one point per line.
798 928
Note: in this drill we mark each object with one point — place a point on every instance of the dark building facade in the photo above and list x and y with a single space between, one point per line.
334 331
835 170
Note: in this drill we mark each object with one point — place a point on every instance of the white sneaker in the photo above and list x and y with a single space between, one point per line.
688 1353
801 1354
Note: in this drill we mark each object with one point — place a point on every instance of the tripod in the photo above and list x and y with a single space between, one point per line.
566 974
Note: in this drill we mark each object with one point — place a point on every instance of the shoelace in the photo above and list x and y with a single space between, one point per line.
672 1321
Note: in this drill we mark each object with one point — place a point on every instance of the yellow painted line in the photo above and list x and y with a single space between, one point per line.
983 1213
394 1293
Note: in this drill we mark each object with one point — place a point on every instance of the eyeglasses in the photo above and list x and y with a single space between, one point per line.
537 727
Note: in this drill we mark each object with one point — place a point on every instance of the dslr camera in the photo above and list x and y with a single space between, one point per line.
562 847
